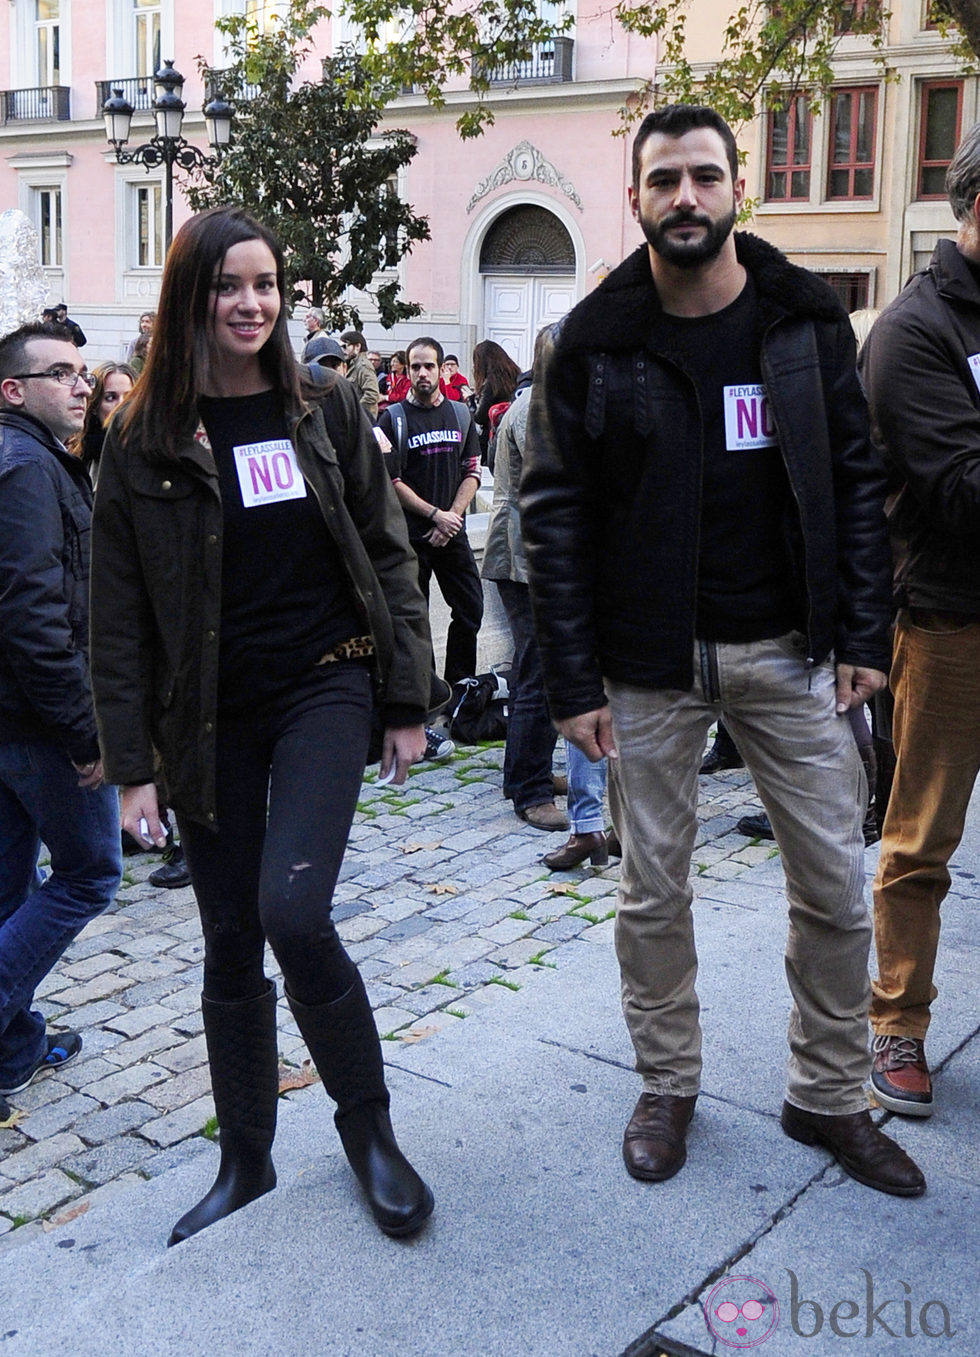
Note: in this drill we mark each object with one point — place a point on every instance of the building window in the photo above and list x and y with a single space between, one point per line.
852 143
932 15
941 107
390 253
264 14
853 289
856 10
788 152
147 250
146 36
398 28
47 222
47 41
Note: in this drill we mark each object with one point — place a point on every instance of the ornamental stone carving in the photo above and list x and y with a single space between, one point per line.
524 163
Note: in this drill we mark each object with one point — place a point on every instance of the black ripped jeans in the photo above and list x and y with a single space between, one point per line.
288 775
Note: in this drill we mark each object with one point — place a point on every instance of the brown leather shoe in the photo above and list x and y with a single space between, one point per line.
559 784
859 1147
900 1076
545 816
576 850
654 1145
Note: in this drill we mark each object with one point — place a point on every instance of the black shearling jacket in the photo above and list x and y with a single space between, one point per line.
925 420
156 591
610 492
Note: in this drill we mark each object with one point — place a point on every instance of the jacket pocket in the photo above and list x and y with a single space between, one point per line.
160 482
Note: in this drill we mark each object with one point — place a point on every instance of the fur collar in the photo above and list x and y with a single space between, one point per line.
619 314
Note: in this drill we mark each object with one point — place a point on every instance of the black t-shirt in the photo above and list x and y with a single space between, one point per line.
746 586
285 599
434 457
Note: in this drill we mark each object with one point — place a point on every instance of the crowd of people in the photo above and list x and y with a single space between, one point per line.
694 521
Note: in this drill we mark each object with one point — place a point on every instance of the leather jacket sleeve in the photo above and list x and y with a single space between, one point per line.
557 507
862 608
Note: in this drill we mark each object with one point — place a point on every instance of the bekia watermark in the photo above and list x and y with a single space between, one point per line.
742 1312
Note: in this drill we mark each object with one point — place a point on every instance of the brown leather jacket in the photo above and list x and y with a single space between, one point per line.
156 592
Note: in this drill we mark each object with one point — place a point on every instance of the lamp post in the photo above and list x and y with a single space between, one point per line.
168 147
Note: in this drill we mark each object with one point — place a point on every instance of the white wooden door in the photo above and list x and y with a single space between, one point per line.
515 308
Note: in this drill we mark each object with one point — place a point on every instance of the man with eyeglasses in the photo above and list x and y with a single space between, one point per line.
51 787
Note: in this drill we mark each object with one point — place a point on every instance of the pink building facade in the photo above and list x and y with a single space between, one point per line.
525 219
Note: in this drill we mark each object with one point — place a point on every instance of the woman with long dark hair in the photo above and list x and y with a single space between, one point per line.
254 595
495 378
113 383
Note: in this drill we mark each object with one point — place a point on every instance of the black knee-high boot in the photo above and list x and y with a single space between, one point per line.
243 1054
343 1041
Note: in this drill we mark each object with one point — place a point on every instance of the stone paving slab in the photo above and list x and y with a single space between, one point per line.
874 1286
541 1244
454 890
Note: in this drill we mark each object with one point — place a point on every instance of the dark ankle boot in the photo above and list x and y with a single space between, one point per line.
722 754
174 874
343 1041
576 850
243 1054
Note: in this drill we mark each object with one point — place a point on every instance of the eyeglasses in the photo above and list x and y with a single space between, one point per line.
64 374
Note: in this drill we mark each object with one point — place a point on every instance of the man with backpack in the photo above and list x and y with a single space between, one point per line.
434 465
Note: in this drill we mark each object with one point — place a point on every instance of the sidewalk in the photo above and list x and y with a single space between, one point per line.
512 1080
443 903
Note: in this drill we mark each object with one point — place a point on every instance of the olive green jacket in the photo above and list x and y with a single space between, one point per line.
156 592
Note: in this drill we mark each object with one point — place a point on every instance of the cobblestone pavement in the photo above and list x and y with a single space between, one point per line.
444 904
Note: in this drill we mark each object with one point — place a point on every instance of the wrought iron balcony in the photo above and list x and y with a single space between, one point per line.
137 90
45 104
550 63
218 86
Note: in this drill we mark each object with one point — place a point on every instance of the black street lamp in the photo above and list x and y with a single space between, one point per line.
168 147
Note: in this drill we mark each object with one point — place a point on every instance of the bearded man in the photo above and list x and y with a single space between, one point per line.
704 521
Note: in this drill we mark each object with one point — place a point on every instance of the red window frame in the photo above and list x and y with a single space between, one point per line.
789 168
853 288
853 165
922 164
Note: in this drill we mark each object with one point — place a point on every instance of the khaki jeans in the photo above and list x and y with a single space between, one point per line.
937 743
809 775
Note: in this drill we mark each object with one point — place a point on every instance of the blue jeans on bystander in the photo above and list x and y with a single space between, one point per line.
586 788
41 801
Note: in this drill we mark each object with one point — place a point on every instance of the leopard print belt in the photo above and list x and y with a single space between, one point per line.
355 648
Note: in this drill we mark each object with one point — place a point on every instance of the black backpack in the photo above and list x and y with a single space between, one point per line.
479 707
